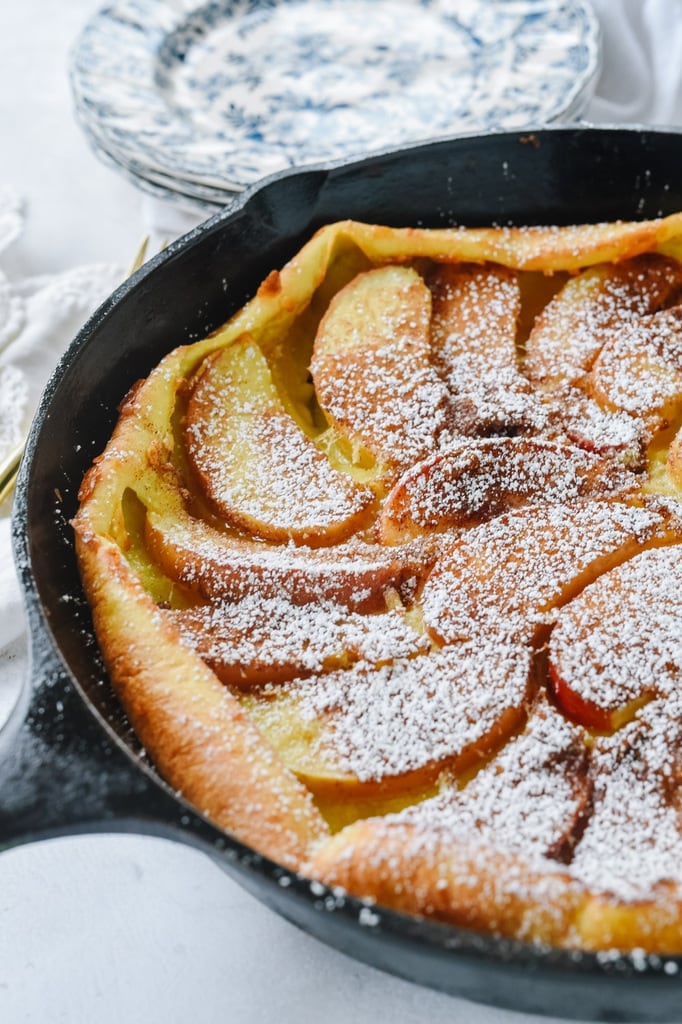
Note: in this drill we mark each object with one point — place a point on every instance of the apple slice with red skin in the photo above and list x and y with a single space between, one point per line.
271 640
475 480
224 567
588 712
612 434
476 310
387 727
617 644
509 575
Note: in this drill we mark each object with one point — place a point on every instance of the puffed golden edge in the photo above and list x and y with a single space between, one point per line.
196 733
429 873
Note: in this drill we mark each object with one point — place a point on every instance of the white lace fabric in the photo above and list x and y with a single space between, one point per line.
39 316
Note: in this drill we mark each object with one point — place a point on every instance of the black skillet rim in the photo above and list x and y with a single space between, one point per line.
400 928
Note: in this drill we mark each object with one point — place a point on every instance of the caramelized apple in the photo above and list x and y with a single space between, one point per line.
220 566
639 369
473 481
507 576
617 644
569 334
612 434
632 840
372 369
271 640
398 724
476 309
256 466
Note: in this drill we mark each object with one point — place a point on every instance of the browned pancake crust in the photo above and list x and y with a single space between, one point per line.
364 626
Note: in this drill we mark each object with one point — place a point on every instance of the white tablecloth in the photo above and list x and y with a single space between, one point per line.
113 929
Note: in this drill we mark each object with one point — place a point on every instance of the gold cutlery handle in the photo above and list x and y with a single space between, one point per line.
9 469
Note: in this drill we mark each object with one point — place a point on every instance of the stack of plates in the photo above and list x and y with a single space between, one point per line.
196 101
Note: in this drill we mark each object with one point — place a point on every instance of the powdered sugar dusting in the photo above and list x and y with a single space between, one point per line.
397 417
442 629
475 311
478 479
632 842
401 717
223 567
570 332
621 639
531 799
372 367
262 639
282 484
473 329
523 564
607 432
639 369
292 482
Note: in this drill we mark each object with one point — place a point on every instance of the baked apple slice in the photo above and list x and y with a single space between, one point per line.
224 567
617 644
612 434
569 333
271 640
372 369
531 802
476 480
256 466
392 727
476 310
630 848
639 369
534 797
508 576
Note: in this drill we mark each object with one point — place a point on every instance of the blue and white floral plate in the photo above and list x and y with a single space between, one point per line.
222 93
192 195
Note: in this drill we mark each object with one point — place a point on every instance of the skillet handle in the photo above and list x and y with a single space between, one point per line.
60 773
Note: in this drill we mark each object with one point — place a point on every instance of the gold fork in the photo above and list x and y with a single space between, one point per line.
9 467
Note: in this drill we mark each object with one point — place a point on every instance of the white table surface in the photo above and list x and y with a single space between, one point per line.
122 928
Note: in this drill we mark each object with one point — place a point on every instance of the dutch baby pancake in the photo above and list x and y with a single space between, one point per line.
387 574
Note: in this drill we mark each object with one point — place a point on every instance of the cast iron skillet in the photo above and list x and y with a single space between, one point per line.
68 762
